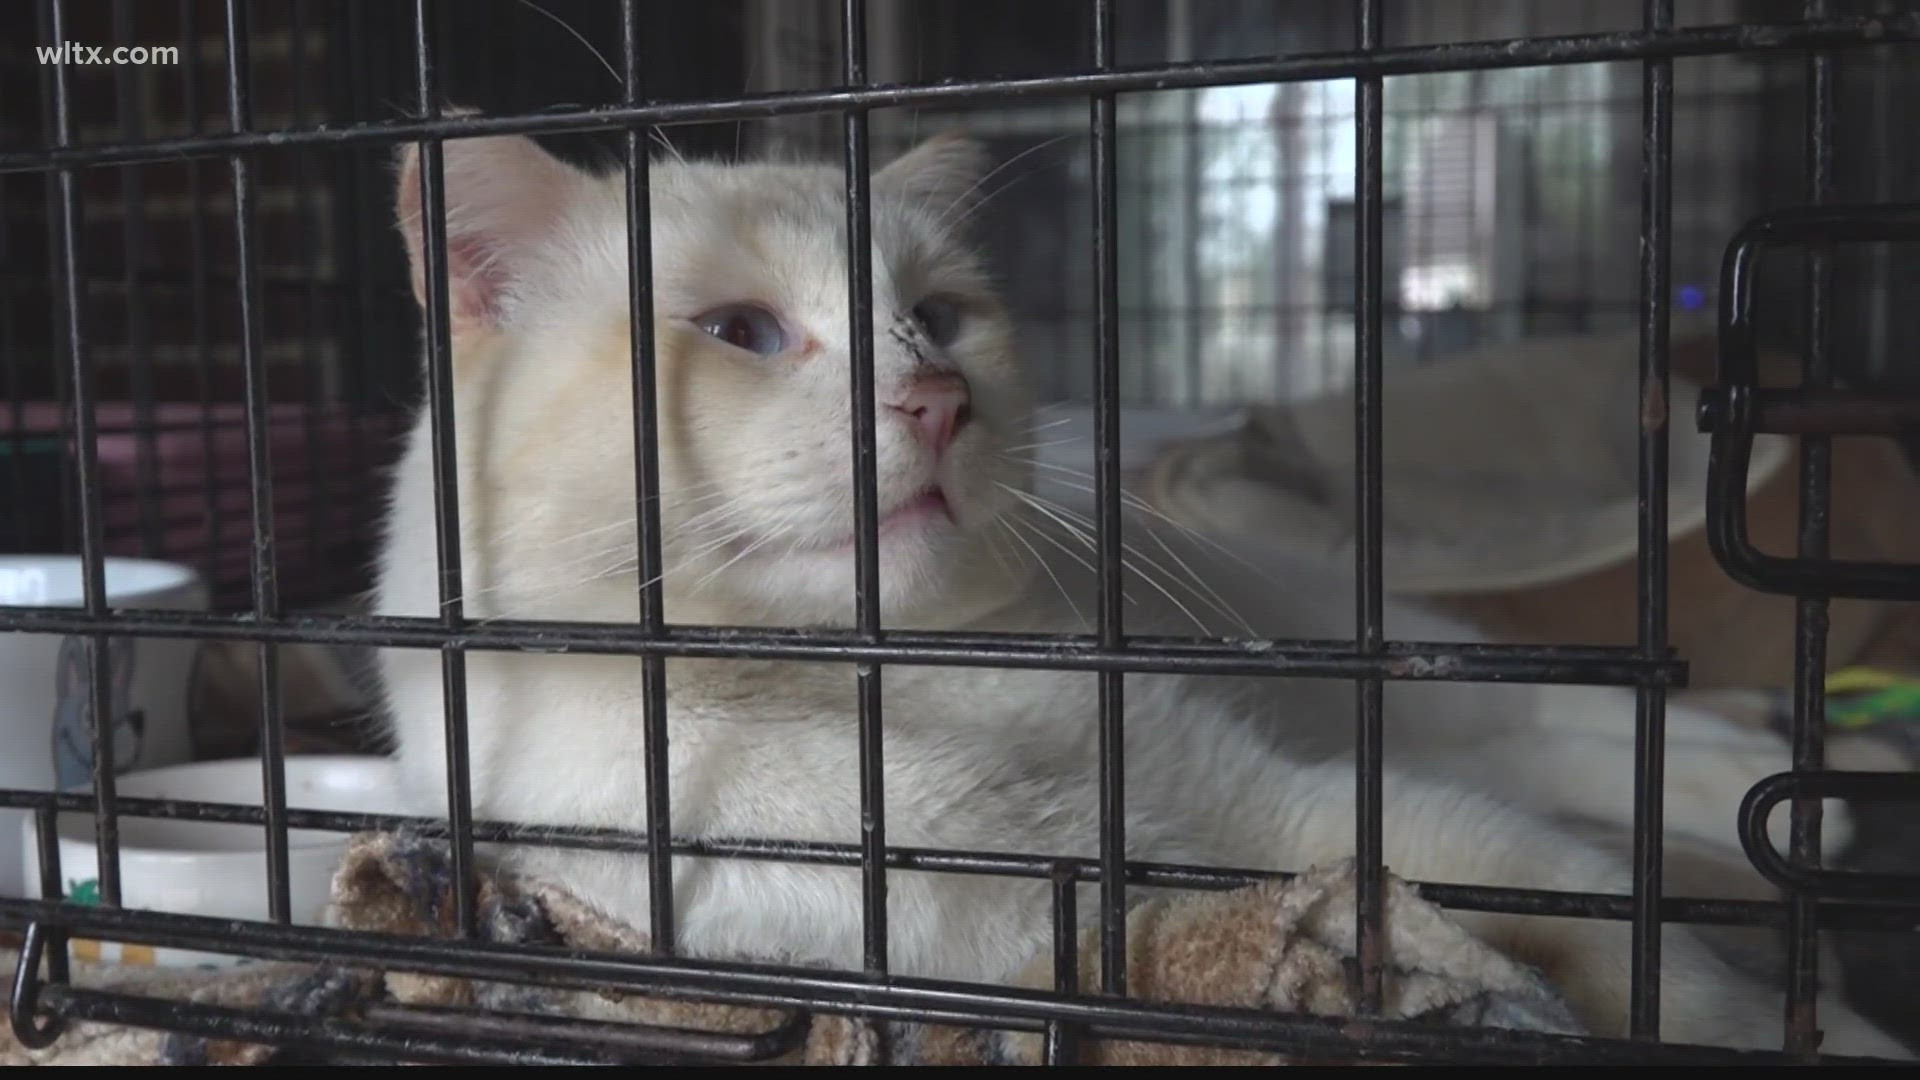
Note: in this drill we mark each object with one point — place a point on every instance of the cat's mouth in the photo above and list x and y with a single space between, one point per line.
929 507
924 510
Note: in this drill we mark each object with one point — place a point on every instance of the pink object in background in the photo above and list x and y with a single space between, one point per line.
328 467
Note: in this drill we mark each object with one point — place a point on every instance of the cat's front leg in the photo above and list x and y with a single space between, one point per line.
978 928
1434 832
1575 756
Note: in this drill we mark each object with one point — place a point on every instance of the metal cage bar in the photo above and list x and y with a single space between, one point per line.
86 450
866 496
1888 911
14 446
266 591
1656 253
1369 602
136 345
200 318
1066 960
1749 38
357 205
647 497
897 998
318 479
31 1030
1106 483
1810 612
50 96
446 492
1412 661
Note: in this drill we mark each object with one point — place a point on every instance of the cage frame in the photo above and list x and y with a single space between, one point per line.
41 1004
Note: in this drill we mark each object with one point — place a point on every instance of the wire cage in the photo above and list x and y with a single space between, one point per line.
1224 203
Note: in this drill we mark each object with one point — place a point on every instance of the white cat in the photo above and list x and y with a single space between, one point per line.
752 332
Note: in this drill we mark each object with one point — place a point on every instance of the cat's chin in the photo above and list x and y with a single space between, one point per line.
930 579
910 550
922 518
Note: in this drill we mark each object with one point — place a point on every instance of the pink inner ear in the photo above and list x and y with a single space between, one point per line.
475 281
502 195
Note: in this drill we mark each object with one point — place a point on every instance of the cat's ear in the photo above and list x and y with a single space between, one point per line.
503 195
940 171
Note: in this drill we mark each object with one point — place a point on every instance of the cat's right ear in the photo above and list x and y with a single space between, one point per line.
503 195
939 172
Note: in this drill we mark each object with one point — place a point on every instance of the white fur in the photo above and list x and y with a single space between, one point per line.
1499 785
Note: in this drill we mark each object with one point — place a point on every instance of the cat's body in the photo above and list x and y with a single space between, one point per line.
755 450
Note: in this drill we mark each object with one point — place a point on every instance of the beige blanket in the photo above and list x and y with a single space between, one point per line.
1283 946
1504 469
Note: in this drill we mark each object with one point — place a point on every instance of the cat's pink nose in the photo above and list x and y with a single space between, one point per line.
937 405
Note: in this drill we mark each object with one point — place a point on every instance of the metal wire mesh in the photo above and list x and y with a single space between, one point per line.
43 1000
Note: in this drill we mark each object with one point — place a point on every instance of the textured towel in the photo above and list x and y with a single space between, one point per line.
1283 946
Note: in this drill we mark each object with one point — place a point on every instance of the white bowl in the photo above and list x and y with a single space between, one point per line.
215 869
45 712
55 581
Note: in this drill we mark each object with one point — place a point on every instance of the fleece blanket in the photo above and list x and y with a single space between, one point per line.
1283 945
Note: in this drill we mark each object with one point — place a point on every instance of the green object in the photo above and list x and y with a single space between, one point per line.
1861 698
84 892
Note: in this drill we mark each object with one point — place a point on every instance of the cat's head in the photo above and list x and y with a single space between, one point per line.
752 334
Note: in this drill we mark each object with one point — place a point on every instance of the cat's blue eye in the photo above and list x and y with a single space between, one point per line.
939 319
745 326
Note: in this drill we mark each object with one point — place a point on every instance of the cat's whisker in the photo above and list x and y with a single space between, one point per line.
959 201
552 592
1219 602
625 544
770 535
566 561
524 527
1036 428
1010 451
1132 567
981 204
1193 583
715 543
993 548
712 516
1135 502
660 137
629 562
720 515
1041 561
577 36
653 133
1040 531
680 498
627 565
471 595
685 504
696 521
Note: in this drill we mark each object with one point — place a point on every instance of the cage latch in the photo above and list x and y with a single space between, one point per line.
33 1031
1795 877
1738 408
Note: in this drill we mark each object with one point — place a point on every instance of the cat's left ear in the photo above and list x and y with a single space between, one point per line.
939 172
505 197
